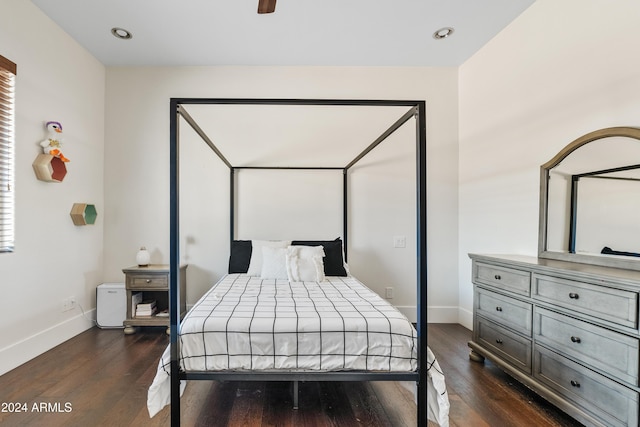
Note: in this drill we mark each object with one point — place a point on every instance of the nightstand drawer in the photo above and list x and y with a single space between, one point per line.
612 353
150 281
605 303
605 399
510 346
510 312
506 279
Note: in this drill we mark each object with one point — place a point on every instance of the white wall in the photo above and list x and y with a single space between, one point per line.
137 159
53 259
560 70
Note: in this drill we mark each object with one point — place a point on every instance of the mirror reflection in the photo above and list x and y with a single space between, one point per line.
593 201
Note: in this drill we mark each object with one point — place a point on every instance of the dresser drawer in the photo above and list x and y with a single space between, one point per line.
599 396
605 303
510 312
147 281
507 279
508 345
612 353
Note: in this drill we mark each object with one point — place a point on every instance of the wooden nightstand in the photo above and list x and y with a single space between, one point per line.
153 282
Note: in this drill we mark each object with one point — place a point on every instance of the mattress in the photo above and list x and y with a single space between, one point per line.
244 323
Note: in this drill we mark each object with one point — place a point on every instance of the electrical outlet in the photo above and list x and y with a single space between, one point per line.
399 242
388 293
68 303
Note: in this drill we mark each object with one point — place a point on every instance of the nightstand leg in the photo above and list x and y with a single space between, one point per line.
128 330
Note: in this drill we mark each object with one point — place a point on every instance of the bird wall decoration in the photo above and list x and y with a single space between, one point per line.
53 144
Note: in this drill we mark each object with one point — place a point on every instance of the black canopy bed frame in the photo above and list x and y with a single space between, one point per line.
573 207
417 110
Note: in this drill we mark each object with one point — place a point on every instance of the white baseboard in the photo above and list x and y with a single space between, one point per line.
22 351
465 318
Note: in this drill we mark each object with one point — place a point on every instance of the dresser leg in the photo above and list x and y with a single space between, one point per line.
476 357
128 330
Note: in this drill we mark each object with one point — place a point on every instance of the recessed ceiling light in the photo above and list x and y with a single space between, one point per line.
121 33
443 33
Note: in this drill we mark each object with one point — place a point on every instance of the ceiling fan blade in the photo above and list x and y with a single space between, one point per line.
266 6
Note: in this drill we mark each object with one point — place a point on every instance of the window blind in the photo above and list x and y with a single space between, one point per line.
7 132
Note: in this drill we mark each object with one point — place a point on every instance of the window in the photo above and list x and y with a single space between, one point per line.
7 114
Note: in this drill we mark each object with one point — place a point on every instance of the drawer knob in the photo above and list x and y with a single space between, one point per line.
499 341
148 280
498 308
497 277
575 383
573 295
575 339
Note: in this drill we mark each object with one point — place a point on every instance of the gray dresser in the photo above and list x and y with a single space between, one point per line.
568 331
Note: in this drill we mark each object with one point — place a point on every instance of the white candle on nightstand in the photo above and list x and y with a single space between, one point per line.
143 257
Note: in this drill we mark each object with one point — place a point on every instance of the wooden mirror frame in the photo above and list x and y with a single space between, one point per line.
618 262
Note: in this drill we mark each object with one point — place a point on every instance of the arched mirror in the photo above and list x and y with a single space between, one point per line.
590 200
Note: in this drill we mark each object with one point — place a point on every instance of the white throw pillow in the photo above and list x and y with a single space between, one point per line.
274 263
304 263
255 264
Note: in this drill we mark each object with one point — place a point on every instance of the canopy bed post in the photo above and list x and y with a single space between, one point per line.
572 214
421 178
174 261
345 211
232 205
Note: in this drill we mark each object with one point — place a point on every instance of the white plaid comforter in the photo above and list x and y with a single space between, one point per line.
245 323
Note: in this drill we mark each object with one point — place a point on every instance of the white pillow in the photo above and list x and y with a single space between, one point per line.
274 263
304 263
255 264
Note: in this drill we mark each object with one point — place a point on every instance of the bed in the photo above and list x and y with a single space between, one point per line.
247 324
418 367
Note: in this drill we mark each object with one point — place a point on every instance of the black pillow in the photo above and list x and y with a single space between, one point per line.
333 262
240 256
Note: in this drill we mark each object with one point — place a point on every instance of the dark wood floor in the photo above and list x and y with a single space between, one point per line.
100 378
483 395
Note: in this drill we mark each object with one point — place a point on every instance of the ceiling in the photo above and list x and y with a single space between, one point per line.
299 33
